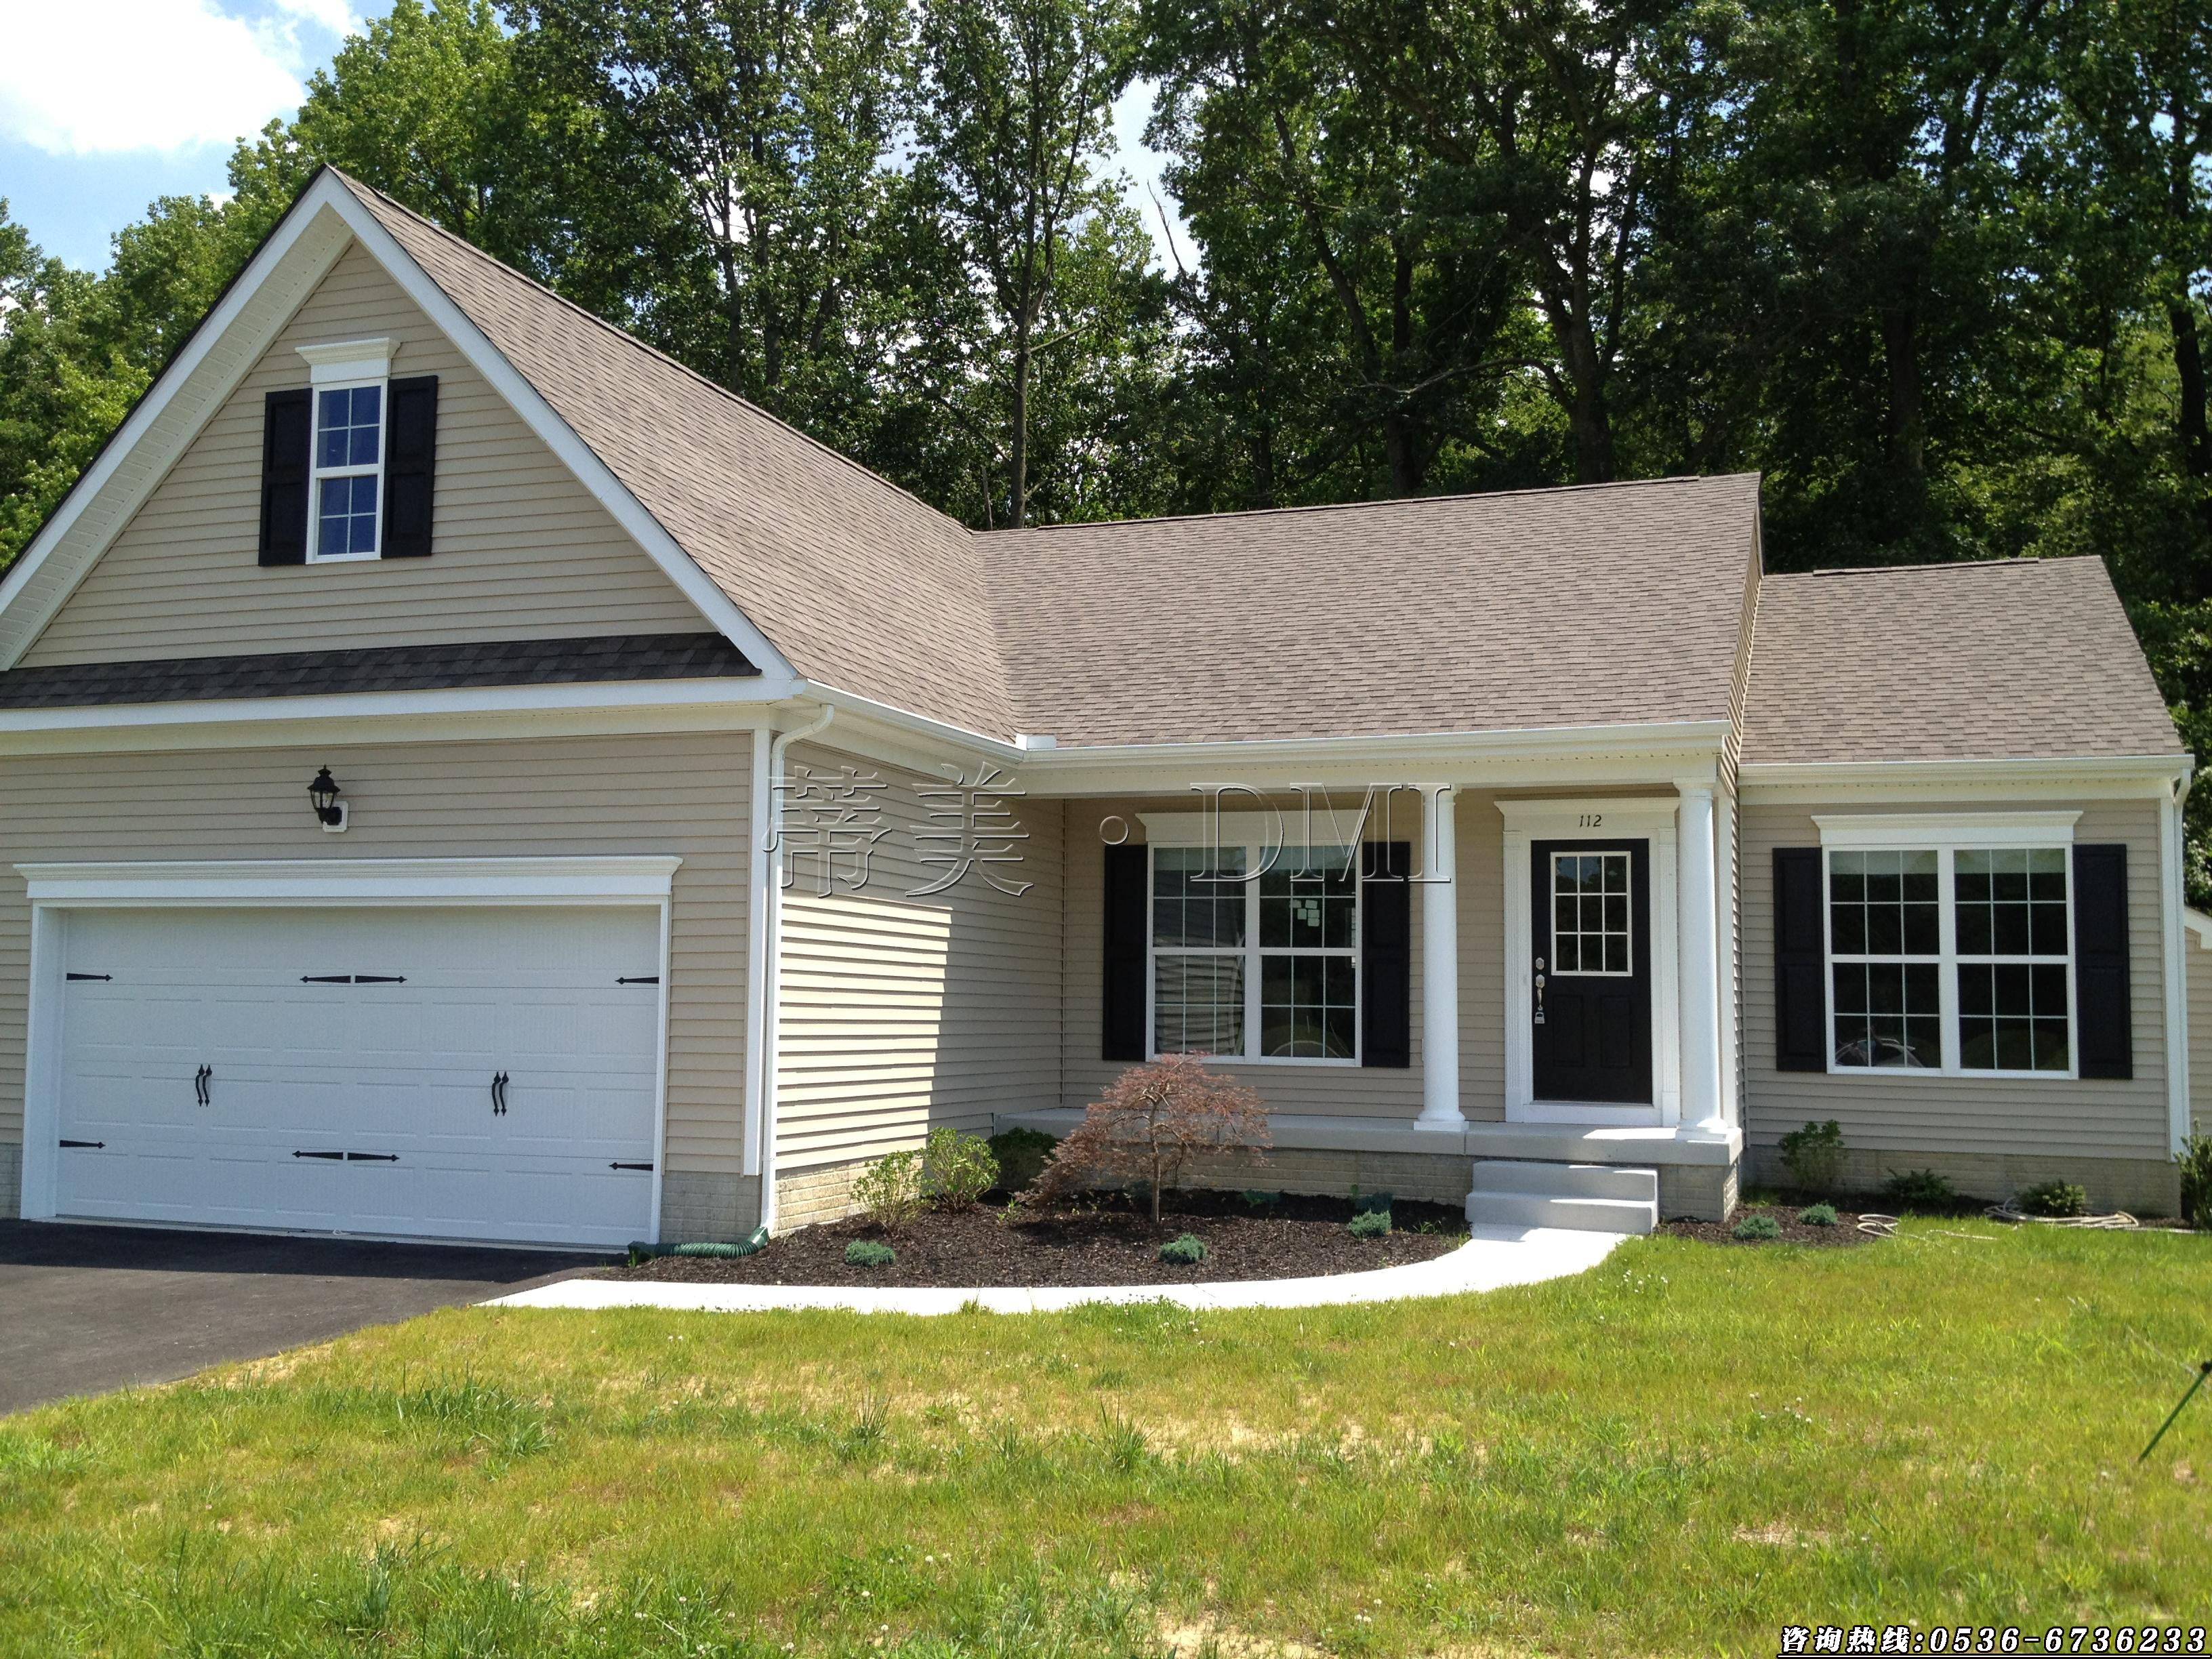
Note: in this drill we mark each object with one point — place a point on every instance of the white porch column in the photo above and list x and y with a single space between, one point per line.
1440 971
1697 931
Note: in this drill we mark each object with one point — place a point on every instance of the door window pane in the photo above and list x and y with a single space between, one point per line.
1590 913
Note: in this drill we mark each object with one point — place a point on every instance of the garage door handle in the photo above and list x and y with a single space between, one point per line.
629 1166
201 1079
499 1094
640 979
95 1144
334 1156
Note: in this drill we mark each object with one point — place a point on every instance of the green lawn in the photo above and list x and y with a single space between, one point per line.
1680 1452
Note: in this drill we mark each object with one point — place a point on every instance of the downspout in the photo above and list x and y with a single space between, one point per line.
767 1048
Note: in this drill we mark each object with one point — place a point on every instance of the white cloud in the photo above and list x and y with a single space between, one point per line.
88 76
336 16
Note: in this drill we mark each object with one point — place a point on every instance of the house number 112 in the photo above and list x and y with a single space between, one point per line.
1591 820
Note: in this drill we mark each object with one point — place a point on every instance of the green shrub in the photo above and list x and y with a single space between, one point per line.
1818 1215
1814 1154
1370 1203
2054 1197
1920 1190
1185 1252
1369 1224
869 1252
1255 1200
957 1169
2195 1159
1022 1154
1757 1226
889 1191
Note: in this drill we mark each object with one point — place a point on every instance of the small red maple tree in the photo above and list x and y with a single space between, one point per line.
1151 1120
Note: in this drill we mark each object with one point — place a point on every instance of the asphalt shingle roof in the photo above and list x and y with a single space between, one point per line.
2019 658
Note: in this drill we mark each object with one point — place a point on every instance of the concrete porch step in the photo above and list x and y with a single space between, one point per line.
1518 1175
1593 1198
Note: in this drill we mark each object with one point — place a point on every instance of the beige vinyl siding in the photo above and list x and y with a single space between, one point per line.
1376 1092
520 548
2197 958
1897 1110
896 1013
685 795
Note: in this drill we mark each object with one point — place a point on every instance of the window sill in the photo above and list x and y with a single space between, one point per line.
1274 1060
1951 1073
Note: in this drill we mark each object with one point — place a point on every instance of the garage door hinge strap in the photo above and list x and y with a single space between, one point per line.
372 1157
629 1166
333 1157
642 979
95 1144
106 976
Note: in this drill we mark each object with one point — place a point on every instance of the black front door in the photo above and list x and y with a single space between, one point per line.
1590 916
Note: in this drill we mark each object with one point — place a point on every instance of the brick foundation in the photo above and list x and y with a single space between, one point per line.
2140 1185
803 1197
1697 1192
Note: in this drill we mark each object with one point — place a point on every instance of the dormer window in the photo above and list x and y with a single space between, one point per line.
349 472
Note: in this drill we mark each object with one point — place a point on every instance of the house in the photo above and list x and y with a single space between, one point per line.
463 775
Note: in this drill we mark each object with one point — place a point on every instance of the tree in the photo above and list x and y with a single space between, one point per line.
1150 1122
1015 114
757 135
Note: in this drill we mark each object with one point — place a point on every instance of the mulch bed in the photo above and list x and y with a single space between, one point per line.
1843 1233
1102 1242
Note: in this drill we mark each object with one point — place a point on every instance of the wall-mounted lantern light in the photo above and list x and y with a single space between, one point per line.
324 792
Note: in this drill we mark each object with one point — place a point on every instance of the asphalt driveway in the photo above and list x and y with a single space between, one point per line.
83 1310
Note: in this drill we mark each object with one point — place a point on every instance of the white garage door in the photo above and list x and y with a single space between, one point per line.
337 1070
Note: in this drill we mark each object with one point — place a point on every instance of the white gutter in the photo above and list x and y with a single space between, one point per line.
768 897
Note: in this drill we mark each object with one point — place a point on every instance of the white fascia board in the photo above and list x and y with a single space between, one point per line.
2102 776
619 880
580 458
201 719
301 250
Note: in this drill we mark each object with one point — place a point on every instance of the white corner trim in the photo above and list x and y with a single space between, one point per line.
1942 830
350 360
337 881
2175 961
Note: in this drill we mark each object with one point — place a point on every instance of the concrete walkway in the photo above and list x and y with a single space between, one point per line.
1491 1259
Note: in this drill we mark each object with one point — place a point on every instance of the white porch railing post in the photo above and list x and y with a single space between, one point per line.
1440 971
1703 1099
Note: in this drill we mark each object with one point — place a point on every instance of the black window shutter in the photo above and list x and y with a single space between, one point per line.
410 460
286 419
1386 954
1800 968
1129 944
2104 1043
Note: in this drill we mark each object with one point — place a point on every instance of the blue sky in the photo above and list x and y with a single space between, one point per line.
106 104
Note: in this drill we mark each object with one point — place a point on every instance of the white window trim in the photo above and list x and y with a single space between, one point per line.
318 474
1946 835
1252 953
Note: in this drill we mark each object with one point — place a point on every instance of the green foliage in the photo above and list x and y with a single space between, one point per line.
1814 1154
1022 1154
1920 1190
1818 1215
1254 1199
1368 1203
2195 1159
1754 1227
957 1169
2056 1198
1186 1251
890 1191
1369 1224
869 1252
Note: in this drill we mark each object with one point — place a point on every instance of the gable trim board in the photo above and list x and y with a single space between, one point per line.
326 219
